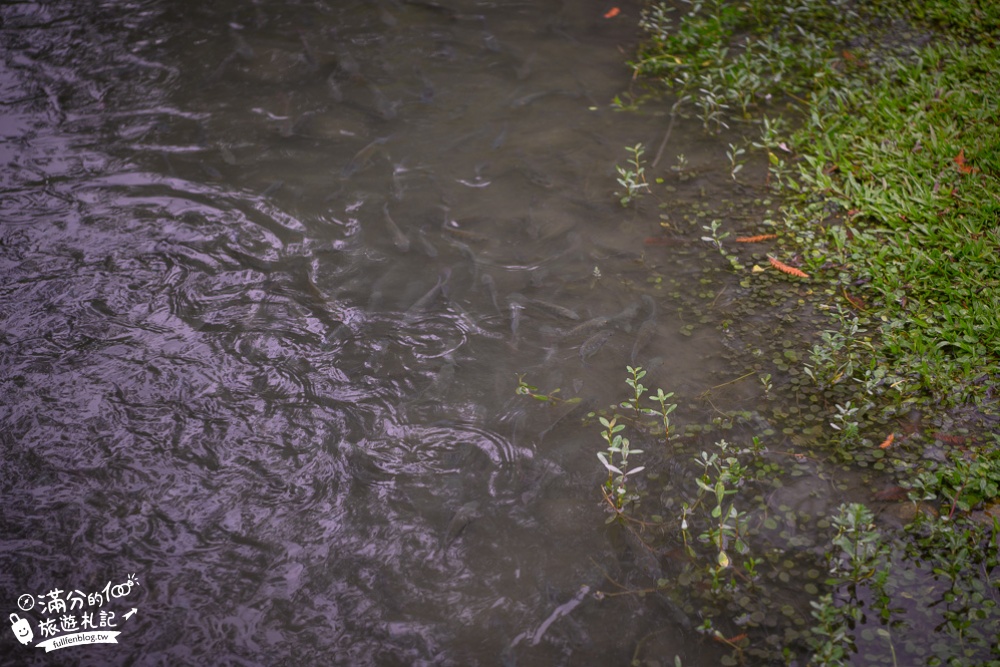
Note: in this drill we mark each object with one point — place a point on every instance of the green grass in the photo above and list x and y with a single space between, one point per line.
880 124
890 176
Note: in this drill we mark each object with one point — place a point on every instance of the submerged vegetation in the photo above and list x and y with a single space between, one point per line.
746 526
879 130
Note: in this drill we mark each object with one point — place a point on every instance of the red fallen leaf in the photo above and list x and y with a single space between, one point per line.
784 268
891 493
961 162
888 441
613 12
756 239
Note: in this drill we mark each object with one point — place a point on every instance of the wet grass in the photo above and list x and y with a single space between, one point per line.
878 346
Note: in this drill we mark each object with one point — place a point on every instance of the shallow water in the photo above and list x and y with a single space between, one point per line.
269 274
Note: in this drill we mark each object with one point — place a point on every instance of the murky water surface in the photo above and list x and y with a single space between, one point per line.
269 273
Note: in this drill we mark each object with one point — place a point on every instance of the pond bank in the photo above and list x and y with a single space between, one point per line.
882 144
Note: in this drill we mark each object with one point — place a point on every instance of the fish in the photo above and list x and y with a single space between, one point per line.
399 239
594 343
227 155
590 326
536 177
386 109
272 189
333 87
516 305
646 333
532 97
627 314
364 156
426 245
421 304
470 323
465 234
500 139
465 515
555 309
427 88
467 251
491 287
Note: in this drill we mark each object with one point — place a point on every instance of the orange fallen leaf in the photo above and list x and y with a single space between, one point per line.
613 12
961 162
888 441
784 268
755 239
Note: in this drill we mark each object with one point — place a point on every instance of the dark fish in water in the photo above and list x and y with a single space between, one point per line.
536 177
647 330
500 139
363 156
627 314
385 108
347 64
646 333
399 239
594 343
333 86
427 88
528 99
465 234
210 171
243 50
555 309
428 248
421 304
516 305
491 287
227 155
465 515
590 326
272 188
467 251
491 42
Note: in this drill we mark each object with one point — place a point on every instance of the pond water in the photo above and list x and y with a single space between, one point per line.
270 273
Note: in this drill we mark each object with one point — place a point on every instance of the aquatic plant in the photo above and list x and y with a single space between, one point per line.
615 460
531 391
632 177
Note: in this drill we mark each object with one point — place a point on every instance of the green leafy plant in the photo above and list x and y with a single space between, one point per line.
615 461
633 176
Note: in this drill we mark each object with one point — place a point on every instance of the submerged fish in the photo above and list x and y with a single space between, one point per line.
555 309
516 305
594 343
465 515
646 333
399 239
467 251
422 303
590 326
363 156
491 287
428 248
647 330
